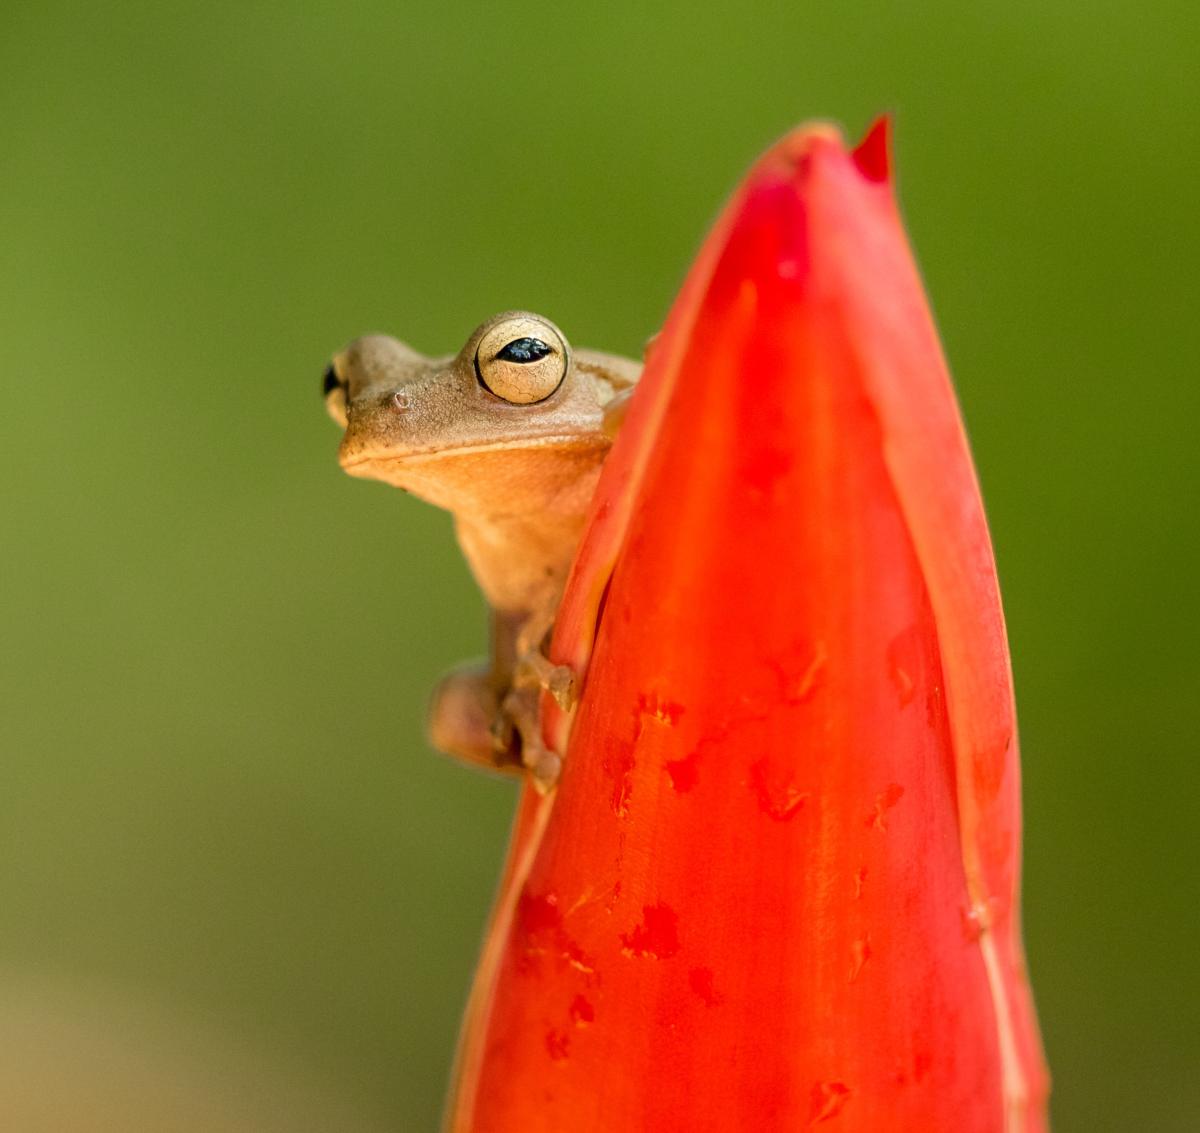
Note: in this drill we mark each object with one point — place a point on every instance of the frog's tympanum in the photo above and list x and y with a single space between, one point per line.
509 436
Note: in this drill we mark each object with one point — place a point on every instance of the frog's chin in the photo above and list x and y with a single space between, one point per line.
542 473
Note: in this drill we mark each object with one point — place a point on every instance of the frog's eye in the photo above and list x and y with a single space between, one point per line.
335 395
521 359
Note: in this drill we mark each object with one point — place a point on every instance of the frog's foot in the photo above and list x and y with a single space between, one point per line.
520 712
536 671
463 716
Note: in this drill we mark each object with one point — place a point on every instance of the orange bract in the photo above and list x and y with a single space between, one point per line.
777 884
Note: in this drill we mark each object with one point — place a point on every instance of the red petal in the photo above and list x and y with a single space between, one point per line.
873 155
776 886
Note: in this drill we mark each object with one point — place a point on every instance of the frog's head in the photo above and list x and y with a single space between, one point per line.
515 394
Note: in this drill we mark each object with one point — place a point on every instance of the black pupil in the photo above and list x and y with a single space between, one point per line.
331 380
524 350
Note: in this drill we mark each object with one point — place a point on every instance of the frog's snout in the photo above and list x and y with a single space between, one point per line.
335 393
330 381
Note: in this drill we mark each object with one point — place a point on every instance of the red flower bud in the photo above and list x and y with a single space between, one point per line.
777 885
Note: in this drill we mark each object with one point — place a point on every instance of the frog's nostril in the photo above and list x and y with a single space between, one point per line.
401 402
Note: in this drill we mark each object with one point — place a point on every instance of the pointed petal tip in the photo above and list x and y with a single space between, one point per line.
873 155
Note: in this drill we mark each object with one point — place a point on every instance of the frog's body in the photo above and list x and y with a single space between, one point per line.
509 436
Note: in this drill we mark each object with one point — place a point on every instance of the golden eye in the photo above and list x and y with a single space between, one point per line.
335 395
522 359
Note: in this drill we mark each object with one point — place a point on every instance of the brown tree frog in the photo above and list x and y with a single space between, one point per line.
508 435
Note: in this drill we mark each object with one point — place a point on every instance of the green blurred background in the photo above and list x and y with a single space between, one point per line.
222 838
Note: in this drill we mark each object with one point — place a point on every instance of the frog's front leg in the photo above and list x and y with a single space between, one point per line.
531 673
533 668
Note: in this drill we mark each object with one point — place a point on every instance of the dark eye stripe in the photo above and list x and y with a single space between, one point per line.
524 350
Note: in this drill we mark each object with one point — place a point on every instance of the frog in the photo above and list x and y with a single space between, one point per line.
509 435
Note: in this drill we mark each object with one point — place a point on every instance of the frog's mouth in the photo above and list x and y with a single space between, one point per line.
363 460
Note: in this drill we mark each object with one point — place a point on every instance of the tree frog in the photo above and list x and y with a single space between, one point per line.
509 435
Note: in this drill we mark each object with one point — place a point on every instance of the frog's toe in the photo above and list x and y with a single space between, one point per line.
561 684
546 771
